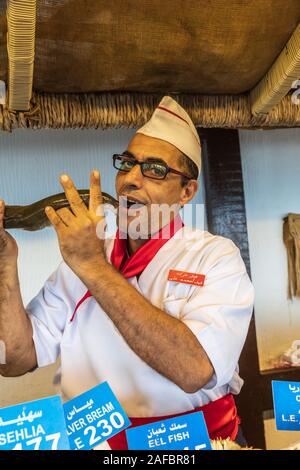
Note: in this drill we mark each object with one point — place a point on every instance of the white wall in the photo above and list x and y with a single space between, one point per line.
271 169
30 164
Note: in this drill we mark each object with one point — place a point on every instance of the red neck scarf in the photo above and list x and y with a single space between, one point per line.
135 264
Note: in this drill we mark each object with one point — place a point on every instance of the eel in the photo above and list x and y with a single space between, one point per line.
32 217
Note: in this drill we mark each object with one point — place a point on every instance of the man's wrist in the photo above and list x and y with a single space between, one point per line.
92 269
9 277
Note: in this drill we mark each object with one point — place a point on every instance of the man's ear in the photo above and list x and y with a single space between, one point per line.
188 192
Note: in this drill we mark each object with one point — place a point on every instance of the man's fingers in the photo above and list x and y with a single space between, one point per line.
55 220
96 199
66 216
77 205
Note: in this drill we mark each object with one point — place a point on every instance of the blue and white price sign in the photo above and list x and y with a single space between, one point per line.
36 425
286 397
186 432
94 417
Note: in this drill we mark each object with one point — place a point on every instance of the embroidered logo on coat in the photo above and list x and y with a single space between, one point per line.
186 278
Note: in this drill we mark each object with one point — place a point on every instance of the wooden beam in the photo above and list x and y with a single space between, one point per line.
226 216
279 79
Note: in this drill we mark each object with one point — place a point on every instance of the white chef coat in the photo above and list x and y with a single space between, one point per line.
92 350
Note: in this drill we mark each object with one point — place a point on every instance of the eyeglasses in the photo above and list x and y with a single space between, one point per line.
151 169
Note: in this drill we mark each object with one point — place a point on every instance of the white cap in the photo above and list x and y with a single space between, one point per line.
170 122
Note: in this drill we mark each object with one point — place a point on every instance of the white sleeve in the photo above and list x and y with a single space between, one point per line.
49 312
219 313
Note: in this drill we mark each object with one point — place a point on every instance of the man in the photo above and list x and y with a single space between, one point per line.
162 318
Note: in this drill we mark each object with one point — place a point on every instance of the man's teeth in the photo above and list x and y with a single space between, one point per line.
127 202
130 203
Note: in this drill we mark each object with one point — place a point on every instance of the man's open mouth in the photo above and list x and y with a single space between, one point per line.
128 202
137 205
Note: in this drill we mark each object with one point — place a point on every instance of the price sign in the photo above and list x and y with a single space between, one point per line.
286 397
36 425
94 417
186 432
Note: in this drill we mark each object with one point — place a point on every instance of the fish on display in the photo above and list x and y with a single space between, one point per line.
32 216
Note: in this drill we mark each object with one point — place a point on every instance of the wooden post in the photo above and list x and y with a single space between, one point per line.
226 216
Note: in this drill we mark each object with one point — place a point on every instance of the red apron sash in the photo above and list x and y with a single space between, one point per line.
221 418
135 264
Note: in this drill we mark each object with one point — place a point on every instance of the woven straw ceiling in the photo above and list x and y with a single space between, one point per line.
106 63
192 46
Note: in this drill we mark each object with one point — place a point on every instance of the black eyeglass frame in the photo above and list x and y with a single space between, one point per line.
168 169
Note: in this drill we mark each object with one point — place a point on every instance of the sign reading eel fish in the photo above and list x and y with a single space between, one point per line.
36 425
94 417
187 432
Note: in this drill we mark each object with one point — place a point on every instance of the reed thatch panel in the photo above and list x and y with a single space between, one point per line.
106 110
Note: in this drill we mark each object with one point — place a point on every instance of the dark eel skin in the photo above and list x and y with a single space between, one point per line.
32 217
